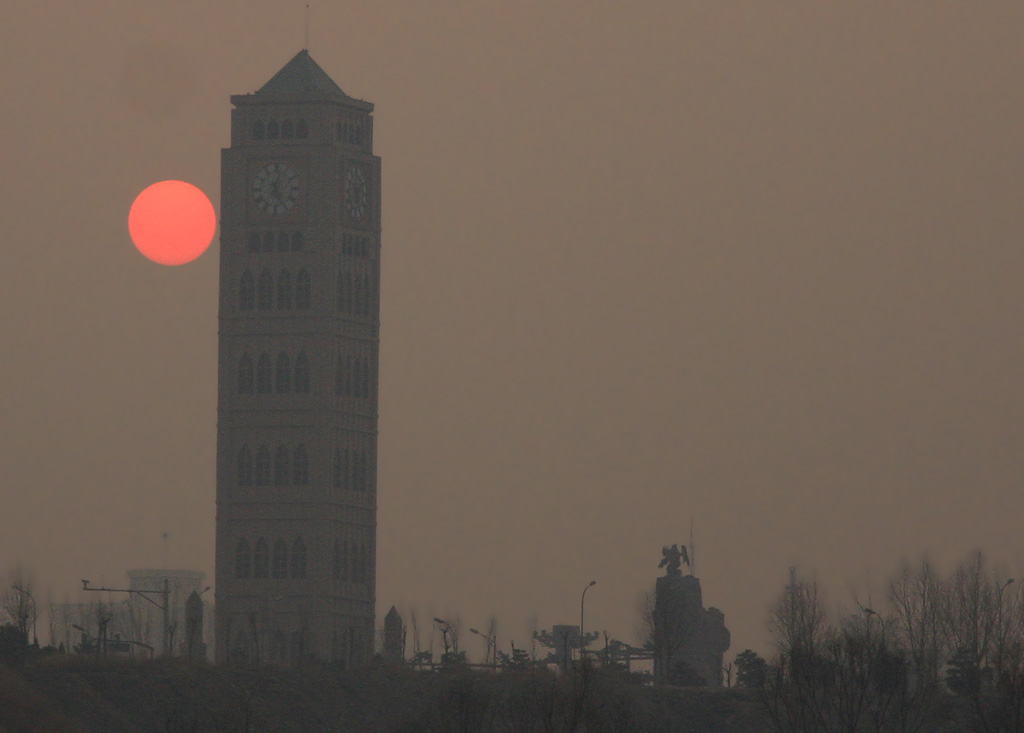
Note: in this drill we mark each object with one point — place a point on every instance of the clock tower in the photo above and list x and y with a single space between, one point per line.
297 374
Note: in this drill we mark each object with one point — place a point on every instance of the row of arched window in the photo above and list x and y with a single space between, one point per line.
347 648
352 133
267 377
351 469
355 293
259 293
276 241
355 245
288 467
352 377
286 130
351 562
257 562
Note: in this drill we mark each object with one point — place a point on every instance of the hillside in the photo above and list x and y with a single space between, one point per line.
81 695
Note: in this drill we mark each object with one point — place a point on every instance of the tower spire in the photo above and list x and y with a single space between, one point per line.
306 47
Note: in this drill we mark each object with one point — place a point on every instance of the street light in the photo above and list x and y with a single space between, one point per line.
446 628
1000 640
491 646
583 645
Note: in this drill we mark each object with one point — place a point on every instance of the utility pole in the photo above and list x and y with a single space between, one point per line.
165 606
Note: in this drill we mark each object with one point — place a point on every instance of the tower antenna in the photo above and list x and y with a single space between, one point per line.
307 27
693 549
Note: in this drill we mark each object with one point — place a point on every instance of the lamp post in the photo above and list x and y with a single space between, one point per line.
491 647
446 628
583 644
999 639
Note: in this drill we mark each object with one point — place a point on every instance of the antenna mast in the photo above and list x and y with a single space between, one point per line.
307 27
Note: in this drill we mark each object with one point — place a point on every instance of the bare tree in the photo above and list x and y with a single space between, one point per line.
19 605
917 598
798 620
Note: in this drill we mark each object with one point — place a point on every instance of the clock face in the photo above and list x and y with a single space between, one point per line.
357 194
275 188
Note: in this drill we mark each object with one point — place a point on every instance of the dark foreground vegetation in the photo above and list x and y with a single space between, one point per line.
60 693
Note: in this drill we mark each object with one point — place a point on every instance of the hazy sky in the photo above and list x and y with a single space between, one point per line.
756 263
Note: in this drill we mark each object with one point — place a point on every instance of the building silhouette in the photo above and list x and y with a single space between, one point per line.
297 361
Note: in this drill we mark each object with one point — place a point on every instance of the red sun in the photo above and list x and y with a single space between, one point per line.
172 222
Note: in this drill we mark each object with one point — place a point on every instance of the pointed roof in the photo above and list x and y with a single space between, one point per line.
301 74
301 79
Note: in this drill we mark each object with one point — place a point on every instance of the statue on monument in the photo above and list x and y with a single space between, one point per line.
673 557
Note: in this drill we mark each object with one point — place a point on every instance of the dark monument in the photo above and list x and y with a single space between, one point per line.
394 637
194 646
689 640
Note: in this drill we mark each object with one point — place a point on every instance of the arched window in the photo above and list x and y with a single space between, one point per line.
265 291
240 649
341 467
244 466
359 472
343 376
254 242
298 646
243 560
347 296
297 241
273 131
300 466
258 131
282 467
303 299
340 132
299 558
261 560
363 298
262 473
301 373
283 382
279 647
339 561
357 379
264 372
246 292
279 569
301 130
268 241
287 130
365 380
245 375
284 290
357 564
343 291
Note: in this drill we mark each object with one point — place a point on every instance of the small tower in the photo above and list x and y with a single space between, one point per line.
194 646
394 637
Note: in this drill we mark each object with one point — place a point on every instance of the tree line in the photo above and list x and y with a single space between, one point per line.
943 653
